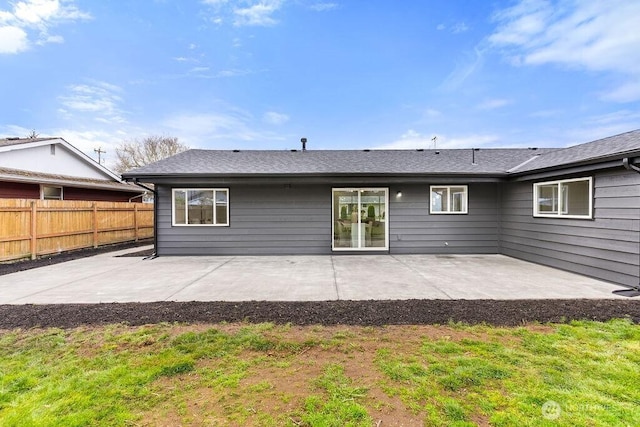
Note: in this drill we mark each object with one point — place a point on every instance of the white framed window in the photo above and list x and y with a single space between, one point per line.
48 192
566 198
449 199
200 206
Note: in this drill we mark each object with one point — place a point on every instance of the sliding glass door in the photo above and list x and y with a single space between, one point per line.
360 219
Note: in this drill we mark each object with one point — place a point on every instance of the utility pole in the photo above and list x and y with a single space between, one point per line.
434 139
100 151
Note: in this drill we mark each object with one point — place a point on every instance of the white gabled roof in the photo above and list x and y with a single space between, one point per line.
12 144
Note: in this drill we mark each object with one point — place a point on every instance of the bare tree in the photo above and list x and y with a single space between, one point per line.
33 134
136 153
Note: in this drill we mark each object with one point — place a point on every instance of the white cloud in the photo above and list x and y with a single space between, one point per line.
233 73
464 69
412 139
29 22
227 128
199 69
322 7
459 27
36 11
88 140
602 126
432 113
273 118
595 36
100 99
469 141
257 14
211 125
13 40
52 39
627 92
241 13
492 104
15 130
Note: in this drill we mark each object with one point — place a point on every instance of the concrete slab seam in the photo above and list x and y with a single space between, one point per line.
199 278
335 279
421 275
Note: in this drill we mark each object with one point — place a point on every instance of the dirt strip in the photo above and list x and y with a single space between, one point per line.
366 313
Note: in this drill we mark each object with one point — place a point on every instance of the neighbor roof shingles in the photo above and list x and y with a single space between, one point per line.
5 142
18 175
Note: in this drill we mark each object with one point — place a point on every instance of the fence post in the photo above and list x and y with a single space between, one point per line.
34 229
95 225
135 220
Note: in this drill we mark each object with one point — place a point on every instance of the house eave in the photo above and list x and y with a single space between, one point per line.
391 178
590 165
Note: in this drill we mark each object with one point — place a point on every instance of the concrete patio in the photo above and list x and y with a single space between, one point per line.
108 278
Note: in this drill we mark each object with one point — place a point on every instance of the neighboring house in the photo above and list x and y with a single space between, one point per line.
575 208
53 169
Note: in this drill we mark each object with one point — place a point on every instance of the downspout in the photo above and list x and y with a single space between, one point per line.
626 162
155 218
135 197
628 165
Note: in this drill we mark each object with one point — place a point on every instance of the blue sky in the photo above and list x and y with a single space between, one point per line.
261 74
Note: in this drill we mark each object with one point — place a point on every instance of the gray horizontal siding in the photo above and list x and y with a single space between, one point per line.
606 247
272 219
413 230
264 220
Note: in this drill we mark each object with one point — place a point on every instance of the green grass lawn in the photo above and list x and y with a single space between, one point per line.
577 374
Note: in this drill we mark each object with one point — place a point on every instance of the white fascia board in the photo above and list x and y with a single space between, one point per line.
69 147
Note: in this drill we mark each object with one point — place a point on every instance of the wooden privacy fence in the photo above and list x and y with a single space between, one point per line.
29 228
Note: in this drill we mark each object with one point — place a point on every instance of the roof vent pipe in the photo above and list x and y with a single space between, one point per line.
473 155
304 144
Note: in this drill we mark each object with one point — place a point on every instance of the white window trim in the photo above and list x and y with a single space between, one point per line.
42 187
333 219
561 208
173 207
449 187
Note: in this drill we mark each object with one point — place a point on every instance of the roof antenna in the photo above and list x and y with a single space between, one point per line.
100 151
434 139
304 144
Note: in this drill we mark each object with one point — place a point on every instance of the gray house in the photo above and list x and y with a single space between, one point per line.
576 208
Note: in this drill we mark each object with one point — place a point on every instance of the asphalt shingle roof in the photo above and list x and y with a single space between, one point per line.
492 161
338 162
618 145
